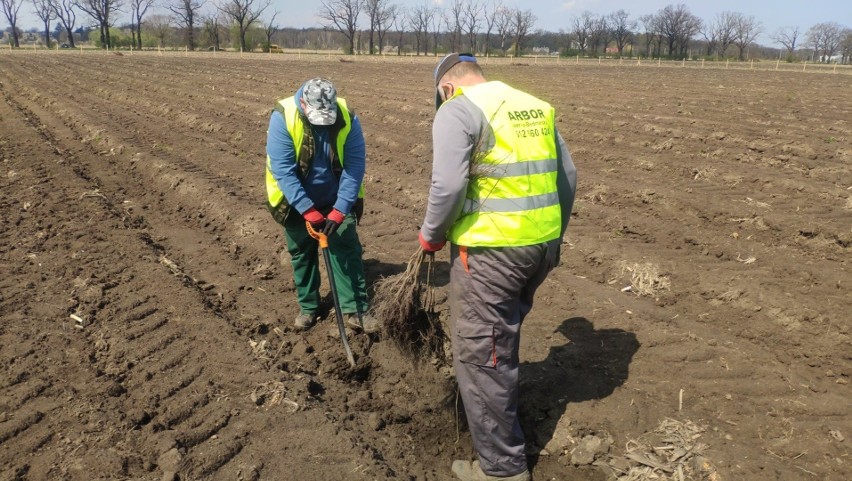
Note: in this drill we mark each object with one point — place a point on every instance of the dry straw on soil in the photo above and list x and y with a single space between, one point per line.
672 453
405 305
645 279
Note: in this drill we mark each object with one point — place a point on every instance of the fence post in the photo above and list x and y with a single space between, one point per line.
804 65
186 50
702 63
751 67
683 63
727 62
835 67
777 63
578 57
659 61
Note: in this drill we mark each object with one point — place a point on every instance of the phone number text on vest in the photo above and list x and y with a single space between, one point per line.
529 123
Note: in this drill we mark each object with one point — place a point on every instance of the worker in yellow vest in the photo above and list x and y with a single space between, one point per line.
503 185
315 161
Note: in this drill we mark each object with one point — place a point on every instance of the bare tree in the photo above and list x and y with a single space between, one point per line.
522 23
581 28
490 14
721 32
710 32
10 10
453 19
599 34
212 26
825 38
269 29
678 25
138 9
472 11
651 33
160 26
342 15
186 13
421 19
503 24
379 13
435 27
372 8
101 11
669 25
400 21
622 29
45 13
787 36
846 46
244 13
418 25
64 11
385 22
689 28
745 31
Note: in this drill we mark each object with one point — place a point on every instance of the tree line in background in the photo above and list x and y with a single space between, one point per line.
485 27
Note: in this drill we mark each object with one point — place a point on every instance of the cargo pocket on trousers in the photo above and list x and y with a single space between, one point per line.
475 344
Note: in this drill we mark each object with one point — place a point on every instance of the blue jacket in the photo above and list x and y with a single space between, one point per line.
320 188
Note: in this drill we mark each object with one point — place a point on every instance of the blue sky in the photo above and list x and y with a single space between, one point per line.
556 14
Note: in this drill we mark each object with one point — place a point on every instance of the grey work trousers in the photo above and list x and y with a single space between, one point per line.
491 291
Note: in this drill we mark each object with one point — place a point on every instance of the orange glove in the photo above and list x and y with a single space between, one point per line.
429 246
316 219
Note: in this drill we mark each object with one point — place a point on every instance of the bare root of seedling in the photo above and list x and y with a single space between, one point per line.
405 305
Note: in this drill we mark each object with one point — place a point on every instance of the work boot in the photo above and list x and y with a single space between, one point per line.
365 322
305 320
467 471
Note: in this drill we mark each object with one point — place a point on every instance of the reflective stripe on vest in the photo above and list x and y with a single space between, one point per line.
296 129
511 199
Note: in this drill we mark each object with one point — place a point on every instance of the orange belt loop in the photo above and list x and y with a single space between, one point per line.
463 257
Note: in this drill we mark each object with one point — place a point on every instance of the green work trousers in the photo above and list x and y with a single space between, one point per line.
344 250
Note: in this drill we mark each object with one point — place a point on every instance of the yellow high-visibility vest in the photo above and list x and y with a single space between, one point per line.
304 145
512 198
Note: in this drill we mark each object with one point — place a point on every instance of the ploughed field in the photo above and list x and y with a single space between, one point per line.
705 278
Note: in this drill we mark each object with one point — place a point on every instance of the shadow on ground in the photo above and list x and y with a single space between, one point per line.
588 366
